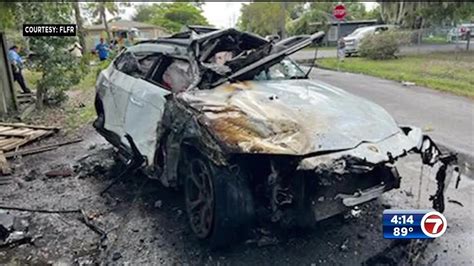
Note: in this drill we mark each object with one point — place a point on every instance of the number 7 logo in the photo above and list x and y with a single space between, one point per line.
433 224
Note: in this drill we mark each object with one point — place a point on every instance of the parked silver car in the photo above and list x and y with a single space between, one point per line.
234 123
353 40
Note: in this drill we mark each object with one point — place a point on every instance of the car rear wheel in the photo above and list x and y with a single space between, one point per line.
199 196
218 201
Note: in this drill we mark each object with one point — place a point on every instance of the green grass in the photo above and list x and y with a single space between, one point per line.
31 78
73 114
449 72
435 40
80 107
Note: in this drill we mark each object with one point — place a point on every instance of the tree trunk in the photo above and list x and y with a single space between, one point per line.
80 26
283 6
106 25
40 93
400 15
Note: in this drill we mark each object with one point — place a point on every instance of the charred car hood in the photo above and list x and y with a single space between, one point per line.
293 117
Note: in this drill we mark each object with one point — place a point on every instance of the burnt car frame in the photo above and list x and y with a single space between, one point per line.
227 117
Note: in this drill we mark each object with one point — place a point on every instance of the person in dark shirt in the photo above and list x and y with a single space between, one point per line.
102 49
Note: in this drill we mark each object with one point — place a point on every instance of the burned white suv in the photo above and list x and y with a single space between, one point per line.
226 116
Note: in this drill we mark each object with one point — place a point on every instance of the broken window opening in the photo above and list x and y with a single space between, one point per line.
136 64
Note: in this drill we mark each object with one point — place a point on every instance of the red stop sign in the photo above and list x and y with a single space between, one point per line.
339 12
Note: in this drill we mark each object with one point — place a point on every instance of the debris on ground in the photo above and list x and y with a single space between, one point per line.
95 163
116 256
4 167
408 83
158 204
267 241
14 135
40 149
356 212
6 225
456 202
61 172
5 180
344 246
31 175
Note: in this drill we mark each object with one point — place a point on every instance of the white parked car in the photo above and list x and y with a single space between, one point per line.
460 32
353 40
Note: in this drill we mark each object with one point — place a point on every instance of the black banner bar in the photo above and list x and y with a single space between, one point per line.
49 29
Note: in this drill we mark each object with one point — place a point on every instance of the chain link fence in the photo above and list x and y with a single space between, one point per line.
442 39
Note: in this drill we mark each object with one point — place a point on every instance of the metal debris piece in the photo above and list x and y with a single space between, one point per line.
267 241
456 202
344 246
63 172
158 204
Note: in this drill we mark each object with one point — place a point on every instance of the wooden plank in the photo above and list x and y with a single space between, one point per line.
14 144
27 111
40 149
7 141
25 95
17 132
4 168
5 128
22 125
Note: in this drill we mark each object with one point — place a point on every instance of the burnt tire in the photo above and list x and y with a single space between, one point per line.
227 212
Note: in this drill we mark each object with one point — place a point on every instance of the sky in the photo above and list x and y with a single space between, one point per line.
221 14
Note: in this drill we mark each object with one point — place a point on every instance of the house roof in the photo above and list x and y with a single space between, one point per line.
124 24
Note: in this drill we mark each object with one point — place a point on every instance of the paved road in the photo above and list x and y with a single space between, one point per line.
308 54
448 118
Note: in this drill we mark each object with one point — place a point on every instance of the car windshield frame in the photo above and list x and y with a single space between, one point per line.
287 62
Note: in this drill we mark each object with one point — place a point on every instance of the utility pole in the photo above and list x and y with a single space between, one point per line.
468 38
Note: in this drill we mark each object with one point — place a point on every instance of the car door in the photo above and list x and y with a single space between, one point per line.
145 106
117 86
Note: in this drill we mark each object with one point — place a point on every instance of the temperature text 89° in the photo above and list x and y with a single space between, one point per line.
403 231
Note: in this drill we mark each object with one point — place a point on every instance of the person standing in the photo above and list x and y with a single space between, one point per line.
341 49
17 65
102 49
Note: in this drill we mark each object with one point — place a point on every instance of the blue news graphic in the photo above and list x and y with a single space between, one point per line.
413 224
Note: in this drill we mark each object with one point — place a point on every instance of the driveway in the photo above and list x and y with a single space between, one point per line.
448 119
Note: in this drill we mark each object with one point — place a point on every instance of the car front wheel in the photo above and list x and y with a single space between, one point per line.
218 201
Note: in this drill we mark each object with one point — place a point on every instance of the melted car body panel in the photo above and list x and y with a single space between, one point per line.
292 117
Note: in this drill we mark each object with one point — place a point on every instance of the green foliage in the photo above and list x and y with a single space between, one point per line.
261 17
144 13
405 13
101 7
171 16
60 70
310 21
383 45
7 18
317 15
